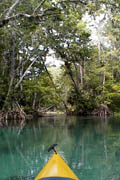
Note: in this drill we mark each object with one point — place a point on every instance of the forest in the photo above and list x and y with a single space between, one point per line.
83 35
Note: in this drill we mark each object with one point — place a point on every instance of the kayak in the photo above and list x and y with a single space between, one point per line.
56 169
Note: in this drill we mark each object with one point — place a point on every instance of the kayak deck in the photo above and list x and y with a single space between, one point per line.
56 169
56 178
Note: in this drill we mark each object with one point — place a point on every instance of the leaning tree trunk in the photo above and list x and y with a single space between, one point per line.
12 66
66 108
81 75
77 76
70 73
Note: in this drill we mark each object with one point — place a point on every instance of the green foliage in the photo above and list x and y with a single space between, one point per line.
90 75
41 88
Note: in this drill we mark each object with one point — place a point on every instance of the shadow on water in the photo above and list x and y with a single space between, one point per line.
90 145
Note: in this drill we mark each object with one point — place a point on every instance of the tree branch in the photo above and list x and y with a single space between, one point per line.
73 1
6 20
12 8
29 67
39 6
8 16
66 108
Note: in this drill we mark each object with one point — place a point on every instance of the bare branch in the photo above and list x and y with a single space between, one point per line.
26 71
44 13
47 10
39 6
6 20
12 8
73 1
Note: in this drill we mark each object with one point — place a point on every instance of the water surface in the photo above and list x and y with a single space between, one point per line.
90 145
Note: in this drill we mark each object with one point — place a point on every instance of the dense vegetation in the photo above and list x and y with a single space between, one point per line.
88 81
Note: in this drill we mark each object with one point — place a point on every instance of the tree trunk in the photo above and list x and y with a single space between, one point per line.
81 75
71 76
29 67
34 100
12 8
77 76
66 108
12 66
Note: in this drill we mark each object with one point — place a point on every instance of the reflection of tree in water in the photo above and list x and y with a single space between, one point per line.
90 147
90 150
29 149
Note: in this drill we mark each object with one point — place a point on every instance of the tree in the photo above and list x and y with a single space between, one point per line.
29 31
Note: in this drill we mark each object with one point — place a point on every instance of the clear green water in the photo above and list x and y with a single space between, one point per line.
91 147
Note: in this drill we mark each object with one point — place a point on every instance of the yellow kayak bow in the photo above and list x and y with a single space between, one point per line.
56 169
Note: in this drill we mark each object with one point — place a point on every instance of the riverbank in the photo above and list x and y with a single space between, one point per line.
102 111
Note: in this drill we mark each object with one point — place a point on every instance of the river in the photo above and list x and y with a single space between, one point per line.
90 146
